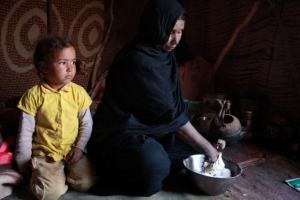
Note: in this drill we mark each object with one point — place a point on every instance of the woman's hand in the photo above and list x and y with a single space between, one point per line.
191 136
74 155
212 155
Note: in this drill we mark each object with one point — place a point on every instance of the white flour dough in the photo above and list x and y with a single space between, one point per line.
216 169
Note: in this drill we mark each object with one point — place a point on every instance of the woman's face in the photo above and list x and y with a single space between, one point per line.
175 36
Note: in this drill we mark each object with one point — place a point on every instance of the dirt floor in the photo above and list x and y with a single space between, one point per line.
267 179
263 179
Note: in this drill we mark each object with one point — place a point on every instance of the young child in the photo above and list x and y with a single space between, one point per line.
55 124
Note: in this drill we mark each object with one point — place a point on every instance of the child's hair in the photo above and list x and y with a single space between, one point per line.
46 48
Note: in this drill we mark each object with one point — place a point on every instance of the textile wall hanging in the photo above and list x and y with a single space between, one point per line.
24 22
264 56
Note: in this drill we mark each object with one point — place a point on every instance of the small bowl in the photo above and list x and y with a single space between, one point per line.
204 123
208 184
210 115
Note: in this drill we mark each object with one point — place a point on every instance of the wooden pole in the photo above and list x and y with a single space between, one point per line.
49 17
234 35
98 58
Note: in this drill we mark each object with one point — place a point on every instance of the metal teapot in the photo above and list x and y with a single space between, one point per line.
225 126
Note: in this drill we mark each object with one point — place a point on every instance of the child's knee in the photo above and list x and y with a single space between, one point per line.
42 191
83 183
48 179
82 175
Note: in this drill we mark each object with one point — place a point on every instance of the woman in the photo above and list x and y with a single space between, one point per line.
141 129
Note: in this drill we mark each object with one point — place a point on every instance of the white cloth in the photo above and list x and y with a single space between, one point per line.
8 179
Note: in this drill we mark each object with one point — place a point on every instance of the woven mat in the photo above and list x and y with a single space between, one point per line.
249 161
242 157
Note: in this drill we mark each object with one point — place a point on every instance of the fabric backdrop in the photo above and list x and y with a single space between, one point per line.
265 55
23 22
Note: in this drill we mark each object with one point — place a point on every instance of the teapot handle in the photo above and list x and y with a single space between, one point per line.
222 112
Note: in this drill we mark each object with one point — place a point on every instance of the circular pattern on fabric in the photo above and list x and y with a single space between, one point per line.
25 22
87 30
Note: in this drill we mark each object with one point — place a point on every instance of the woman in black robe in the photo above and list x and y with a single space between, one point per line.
141 129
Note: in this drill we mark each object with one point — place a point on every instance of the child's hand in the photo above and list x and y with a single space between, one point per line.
74 155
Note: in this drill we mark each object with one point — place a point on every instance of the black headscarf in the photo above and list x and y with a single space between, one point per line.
143 93
158 20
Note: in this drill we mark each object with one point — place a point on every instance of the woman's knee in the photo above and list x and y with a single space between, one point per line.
143 167
155 164
146 157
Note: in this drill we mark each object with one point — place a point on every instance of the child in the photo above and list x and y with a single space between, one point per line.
55 124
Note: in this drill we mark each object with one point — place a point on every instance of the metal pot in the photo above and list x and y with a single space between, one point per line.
225 126
208 184
230 132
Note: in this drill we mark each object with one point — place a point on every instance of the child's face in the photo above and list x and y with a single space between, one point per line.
62 69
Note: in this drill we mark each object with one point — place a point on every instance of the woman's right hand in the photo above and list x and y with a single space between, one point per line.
212 154
191 136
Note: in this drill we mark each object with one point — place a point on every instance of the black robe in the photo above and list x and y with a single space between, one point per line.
143 93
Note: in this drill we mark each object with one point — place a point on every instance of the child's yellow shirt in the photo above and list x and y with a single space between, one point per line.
56 115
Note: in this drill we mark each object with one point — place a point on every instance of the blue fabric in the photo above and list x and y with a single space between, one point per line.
140 164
